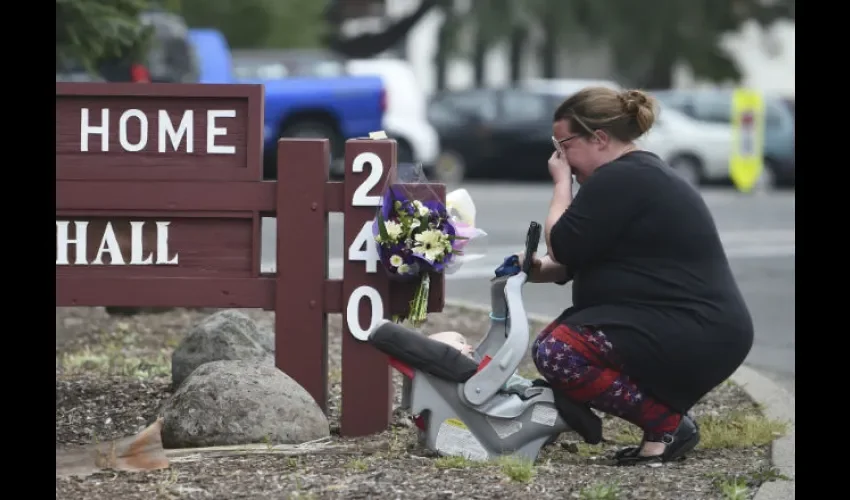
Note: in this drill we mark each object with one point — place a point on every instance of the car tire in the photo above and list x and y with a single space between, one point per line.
767 181
450 168
688 168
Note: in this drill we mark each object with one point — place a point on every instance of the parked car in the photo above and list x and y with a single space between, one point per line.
715 106
493 132
170 57
698 151
337 107
406 118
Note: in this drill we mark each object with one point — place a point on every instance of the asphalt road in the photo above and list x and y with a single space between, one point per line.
757 231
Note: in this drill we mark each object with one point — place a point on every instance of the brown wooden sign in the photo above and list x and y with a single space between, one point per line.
159 200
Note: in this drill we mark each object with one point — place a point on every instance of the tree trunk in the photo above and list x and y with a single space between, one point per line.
478 61
518 38
660 74
441 58
549 51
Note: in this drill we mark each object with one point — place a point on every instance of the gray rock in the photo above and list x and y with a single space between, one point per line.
224 335
240 402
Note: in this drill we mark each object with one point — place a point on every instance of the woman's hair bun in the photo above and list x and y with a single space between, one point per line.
633 100
641 106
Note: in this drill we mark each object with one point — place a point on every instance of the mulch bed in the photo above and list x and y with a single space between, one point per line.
112 376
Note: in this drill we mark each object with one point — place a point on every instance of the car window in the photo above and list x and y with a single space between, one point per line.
442 114
259 70
715 108
480 104
775 114
521 106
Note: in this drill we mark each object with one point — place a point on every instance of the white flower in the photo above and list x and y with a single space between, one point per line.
403 269
421 209
396 260
430 244
415 223
393 228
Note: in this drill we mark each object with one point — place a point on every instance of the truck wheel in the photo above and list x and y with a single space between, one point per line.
309 129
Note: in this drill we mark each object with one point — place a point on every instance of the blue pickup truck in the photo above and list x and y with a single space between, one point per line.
298 103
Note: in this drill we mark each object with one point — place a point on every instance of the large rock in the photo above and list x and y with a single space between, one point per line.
224 335
240 402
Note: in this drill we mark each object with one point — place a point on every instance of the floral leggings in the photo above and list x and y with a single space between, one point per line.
581 364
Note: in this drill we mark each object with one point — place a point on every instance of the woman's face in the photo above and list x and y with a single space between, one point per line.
582 153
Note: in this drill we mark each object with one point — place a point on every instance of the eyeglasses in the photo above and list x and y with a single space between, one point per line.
558 142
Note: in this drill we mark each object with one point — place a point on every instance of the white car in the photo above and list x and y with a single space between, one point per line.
698 151
405 118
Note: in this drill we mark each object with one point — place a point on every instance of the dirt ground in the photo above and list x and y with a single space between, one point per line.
112 374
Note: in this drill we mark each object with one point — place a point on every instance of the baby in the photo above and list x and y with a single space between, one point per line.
459 342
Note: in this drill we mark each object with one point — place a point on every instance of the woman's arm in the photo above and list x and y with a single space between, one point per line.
562 196
548 271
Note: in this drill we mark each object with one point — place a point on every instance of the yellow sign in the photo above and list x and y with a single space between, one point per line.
747 160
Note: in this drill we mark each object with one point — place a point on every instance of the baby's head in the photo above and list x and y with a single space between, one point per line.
455 340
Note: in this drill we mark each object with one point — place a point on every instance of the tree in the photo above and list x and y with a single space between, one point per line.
372 44
647 39
88 31
258 23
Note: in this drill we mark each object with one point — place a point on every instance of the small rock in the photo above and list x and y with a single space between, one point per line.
240 402
225 335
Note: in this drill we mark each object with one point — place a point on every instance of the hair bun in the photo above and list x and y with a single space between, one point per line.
633 100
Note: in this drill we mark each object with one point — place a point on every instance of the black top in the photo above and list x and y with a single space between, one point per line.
649 270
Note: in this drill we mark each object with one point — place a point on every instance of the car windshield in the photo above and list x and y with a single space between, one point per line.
269 68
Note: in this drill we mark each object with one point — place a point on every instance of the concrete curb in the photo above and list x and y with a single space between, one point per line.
776 403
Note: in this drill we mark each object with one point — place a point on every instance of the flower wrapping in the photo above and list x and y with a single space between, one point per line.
417 234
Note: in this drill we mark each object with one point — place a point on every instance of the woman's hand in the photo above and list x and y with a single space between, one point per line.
535 261
560 169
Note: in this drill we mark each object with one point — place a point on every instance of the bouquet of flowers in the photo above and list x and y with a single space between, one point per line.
417 234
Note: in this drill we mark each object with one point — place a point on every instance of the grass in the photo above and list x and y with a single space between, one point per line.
600 491
515 469
739 487
357 464
119 352
113 358
737 429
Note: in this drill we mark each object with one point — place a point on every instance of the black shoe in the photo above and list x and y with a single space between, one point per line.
577 415
680 442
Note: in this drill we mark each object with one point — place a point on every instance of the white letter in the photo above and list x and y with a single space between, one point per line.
109 244
167 127
143 132
162 244
137 245
62 242
86 130
213 131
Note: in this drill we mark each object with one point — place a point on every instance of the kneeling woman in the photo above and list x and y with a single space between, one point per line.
657 319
